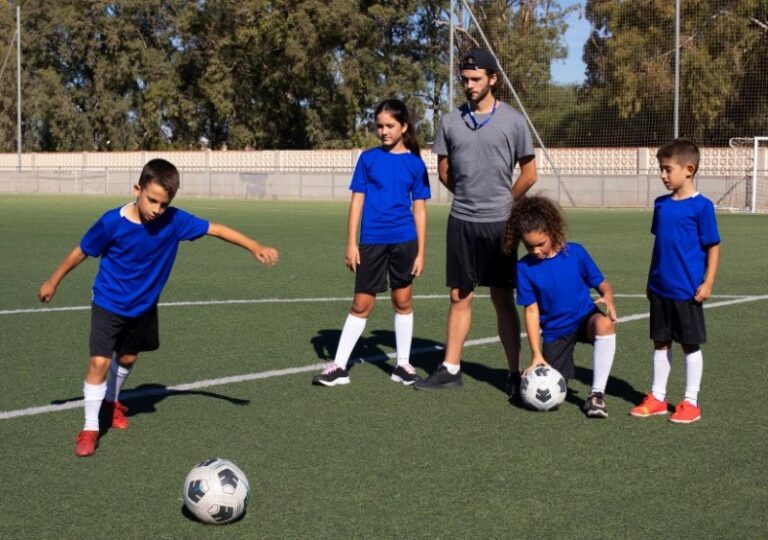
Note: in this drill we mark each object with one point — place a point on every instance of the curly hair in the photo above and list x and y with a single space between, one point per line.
534 213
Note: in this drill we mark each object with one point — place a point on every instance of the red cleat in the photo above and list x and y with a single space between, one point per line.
115 412
86 443
649 407
685 413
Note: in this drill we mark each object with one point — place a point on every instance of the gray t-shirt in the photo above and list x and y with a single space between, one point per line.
482 160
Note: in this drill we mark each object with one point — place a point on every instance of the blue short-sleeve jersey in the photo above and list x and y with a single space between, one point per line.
390 182
684 231
136 258
560 286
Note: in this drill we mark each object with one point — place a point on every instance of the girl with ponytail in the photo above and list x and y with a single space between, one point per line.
390 188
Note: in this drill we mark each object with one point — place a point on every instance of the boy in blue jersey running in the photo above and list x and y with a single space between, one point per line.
137 244
684 263
553 284
388 181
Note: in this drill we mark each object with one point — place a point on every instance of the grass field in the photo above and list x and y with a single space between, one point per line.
372 459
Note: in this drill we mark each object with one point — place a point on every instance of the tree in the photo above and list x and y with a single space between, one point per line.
98 75
153 74
8 78
524 34
630 65
295 74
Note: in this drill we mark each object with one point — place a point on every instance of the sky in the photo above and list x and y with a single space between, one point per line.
571 70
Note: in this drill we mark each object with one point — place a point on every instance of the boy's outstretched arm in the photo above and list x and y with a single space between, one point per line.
713 259
70 262
264 254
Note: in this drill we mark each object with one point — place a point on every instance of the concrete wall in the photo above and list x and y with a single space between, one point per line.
604 177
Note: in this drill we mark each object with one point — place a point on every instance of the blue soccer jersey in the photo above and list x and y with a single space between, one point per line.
136 258
684 230
390 182
560 286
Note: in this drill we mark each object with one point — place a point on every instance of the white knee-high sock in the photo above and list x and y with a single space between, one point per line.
602 361
662 365
93 395
117 376
353 329
694 369
403 337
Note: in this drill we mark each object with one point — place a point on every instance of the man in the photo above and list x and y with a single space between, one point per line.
478 145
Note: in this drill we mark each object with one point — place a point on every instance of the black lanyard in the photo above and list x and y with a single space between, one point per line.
474 120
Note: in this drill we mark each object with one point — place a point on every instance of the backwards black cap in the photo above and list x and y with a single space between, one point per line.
478 59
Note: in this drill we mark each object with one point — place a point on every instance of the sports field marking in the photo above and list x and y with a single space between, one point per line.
281 301
130 395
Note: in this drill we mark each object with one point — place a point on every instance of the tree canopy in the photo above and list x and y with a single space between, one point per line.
723 68
262 74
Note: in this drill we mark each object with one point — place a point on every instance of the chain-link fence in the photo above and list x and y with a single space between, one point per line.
638 89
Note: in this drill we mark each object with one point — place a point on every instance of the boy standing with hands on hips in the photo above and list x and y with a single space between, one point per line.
137 244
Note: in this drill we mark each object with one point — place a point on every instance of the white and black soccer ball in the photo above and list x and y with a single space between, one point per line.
543 388
216 491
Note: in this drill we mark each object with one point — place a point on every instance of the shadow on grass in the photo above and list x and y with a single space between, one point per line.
143 398
616 387
497 378
187 513
425 353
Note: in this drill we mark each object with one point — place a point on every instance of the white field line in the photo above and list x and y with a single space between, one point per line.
277 301
130 395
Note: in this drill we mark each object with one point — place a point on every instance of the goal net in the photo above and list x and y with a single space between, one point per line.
747 187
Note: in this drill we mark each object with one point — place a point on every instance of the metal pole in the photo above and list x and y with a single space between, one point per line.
450 56
755 147
677 69
18 86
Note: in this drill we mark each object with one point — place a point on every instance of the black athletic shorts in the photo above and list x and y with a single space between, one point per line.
123 335
474 256
559 352
379 261
677 320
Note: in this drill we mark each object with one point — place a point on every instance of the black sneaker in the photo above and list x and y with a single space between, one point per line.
331 376
405 374
594 407
440 379
513 387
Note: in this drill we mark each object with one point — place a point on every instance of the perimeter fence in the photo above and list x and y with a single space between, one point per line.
653 71
650 72
586 177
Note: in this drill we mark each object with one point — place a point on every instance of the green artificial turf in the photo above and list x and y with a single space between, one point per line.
372 459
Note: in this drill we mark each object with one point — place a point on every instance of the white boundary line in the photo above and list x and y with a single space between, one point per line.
278 301
130 395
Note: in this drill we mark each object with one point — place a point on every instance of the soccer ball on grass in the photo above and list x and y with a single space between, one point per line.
216 491
543 388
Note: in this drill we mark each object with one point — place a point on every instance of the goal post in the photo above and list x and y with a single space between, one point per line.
757 160
749 191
